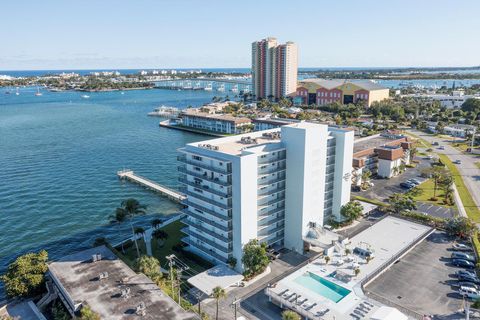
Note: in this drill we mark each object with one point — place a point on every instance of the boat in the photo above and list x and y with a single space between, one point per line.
208 87
221 88
122 92
234 88
165 112
38 93
17 93
84 96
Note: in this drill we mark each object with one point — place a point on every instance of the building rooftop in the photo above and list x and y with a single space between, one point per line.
79 279
333 83
218 276
220 117
371 142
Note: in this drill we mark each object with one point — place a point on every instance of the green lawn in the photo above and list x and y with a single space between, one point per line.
427 194
470 207
477 164
163 248
372 201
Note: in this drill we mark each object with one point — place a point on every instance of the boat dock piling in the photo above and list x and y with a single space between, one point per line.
165 191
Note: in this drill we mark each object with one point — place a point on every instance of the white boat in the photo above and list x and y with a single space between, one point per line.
208 87
122 92
221 88
164 111
17 93
84 96
38 93
234 88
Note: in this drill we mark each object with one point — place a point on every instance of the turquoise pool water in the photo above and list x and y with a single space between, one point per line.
322 287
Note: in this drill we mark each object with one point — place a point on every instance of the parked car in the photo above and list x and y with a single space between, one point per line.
465 273
458 161
429 157
435 143
463 263
461 247
467 278
462 255
274 255
413 181
467 284
469 292
407 185
441 148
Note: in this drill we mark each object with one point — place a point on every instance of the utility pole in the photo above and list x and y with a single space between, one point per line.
170 264
179 274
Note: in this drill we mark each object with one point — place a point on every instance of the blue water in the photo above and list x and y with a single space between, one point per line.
59 155
322 287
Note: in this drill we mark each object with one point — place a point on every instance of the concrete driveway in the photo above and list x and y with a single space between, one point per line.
469 171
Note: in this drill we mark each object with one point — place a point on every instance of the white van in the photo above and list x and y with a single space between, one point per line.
469 292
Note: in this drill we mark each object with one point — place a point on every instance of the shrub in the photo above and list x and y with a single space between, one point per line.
255 259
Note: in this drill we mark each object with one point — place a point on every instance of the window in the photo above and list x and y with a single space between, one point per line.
220 163
197 158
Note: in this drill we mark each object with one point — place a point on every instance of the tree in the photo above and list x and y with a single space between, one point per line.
436 173
218 293
351 210
290 315
88 314
255 259
156 222
129 209
356 271
160 234
25 277
347 251
327 259
58 311
149 266
460 226
366 175
471 105
413 152
139 230
400 202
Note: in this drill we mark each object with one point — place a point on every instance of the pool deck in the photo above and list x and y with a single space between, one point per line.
388 239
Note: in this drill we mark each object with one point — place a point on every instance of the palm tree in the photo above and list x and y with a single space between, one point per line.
129 209
156 222
290 315
217 294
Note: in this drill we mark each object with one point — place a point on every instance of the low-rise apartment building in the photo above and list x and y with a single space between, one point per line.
219 123
322 92
381 154
454 130
251 186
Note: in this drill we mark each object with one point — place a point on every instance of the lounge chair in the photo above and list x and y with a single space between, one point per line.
355 316
283 292
311 306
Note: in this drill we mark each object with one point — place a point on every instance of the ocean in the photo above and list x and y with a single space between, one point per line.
59 154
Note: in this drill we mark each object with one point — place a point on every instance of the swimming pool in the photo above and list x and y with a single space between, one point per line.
322 287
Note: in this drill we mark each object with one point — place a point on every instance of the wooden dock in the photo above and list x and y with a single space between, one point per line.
165 191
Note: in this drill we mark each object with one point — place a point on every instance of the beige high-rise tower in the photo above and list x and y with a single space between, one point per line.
274 68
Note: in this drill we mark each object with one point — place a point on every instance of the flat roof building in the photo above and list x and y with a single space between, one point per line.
321 92
220 123
98 278
251 186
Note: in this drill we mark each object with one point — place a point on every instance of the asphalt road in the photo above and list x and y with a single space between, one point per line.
469 171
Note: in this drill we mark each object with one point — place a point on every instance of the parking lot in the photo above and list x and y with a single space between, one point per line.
422 280
384 188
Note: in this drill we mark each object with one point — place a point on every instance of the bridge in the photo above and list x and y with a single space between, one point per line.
165 191
207 84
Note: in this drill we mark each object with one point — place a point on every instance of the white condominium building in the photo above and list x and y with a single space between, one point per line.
274 68
269 185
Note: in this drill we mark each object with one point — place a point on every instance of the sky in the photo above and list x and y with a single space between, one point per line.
107 34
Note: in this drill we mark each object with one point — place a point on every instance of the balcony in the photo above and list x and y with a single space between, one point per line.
205 250
225 194
200 227
201 164
208 221
265 223
267 182
211 243
269 203
207 200
203 176
270 232
209 211
274 170
267 193
266 213
269 160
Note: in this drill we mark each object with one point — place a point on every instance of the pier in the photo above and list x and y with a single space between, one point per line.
165 191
